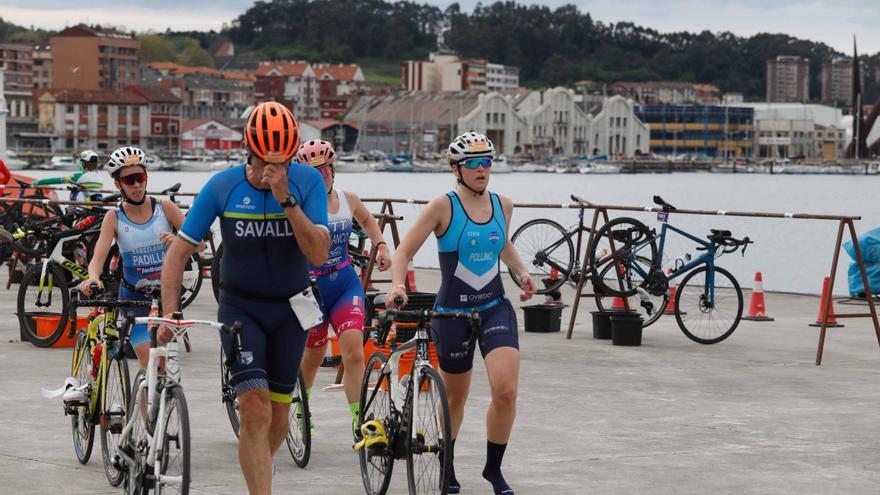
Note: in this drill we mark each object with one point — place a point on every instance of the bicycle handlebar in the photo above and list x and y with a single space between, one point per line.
389 316
179 325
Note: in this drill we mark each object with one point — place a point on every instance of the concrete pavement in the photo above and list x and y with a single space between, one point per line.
750 415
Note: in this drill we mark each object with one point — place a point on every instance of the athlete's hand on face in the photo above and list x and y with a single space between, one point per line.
383 259
527 284
396 293
275 177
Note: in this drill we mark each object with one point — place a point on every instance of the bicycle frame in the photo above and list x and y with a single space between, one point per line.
708 259
156 400
579 231
419 342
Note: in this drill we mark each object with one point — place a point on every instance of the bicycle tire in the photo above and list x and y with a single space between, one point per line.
81 424
438 483
299 433
534 237
133 475
215 272
634 301
190 291
600 253
376 481
26 312
176 401
228 395
684 292
110 439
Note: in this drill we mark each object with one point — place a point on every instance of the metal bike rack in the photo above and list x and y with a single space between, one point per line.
843 222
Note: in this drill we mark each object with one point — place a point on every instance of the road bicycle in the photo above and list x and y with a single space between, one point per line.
299 436
624 261
546 246
406 419
154 448
101 371
43 288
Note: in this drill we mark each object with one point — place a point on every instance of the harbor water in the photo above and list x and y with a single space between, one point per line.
793 255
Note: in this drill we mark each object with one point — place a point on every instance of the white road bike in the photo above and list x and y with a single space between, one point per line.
154 448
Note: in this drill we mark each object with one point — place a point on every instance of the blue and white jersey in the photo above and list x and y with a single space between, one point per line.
140 245
340 224
260 252
470 257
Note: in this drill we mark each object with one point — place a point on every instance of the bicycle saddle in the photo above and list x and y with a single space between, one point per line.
22 183
173 189
660 202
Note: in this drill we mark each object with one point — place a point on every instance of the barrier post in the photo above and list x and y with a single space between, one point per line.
582 278
846 222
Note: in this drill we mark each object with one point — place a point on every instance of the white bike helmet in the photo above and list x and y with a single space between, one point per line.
127 156
88 156
470 145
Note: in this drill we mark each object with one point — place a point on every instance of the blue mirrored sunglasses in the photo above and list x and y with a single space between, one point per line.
475 163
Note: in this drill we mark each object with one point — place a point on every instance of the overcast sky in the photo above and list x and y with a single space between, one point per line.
831 21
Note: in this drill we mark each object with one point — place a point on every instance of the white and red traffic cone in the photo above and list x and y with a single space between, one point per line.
757 308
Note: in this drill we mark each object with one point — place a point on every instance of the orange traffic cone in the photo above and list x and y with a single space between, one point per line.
554 274
670 304
832 321
411 277
617 304
757 309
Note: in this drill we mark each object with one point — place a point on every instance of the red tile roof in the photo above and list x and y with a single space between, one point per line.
284 68
157 94
97 96
337 72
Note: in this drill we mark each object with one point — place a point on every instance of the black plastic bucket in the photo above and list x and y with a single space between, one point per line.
542 318
626 329
602 324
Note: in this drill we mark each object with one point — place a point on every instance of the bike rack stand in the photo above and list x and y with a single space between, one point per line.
385 217
843 222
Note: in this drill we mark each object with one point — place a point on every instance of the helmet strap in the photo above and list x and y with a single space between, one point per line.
462 182
131 201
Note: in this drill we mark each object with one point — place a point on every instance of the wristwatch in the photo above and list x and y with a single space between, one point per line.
290 202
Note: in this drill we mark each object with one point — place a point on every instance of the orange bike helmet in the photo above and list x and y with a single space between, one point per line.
272 133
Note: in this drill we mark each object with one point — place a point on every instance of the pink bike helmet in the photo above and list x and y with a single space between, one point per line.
316 153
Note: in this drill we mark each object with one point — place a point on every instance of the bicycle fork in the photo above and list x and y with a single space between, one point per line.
44 284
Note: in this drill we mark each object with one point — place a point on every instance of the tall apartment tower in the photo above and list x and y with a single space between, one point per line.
86 57
837 80
788 79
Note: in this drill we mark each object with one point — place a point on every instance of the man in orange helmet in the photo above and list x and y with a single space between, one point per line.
273 220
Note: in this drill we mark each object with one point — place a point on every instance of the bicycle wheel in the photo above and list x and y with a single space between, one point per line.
653 306
376 463
228 395
617 243
215 272
81 424
702 319
192 280
136 444
544 244
299 434
115 388
174 451
428 433
43 304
